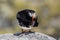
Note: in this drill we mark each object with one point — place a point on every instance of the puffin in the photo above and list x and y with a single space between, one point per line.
27 19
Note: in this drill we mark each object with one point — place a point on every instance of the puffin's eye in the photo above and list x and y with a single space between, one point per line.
30 14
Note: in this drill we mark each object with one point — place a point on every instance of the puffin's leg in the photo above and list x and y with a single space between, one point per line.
22 30
30 30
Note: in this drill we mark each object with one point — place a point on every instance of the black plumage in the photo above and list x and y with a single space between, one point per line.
24 18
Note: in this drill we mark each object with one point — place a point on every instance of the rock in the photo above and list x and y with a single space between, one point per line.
26 36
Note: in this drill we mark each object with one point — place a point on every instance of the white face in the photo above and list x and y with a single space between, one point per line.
32 14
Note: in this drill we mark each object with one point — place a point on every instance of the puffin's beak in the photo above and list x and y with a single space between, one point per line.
34 20
33 17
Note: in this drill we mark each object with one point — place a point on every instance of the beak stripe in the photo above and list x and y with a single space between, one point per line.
32 18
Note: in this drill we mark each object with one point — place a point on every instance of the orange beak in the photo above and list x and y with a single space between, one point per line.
32 18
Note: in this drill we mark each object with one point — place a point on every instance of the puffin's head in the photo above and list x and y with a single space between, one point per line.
32 14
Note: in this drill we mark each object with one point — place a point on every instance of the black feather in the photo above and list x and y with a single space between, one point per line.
24 19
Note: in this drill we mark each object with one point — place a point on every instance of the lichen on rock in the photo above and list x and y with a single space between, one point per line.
26 36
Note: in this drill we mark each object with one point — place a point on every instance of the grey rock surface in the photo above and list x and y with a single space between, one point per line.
30 36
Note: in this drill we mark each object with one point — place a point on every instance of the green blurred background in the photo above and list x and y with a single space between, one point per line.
48 12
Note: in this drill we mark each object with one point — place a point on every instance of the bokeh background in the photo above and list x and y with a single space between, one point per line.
48 12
